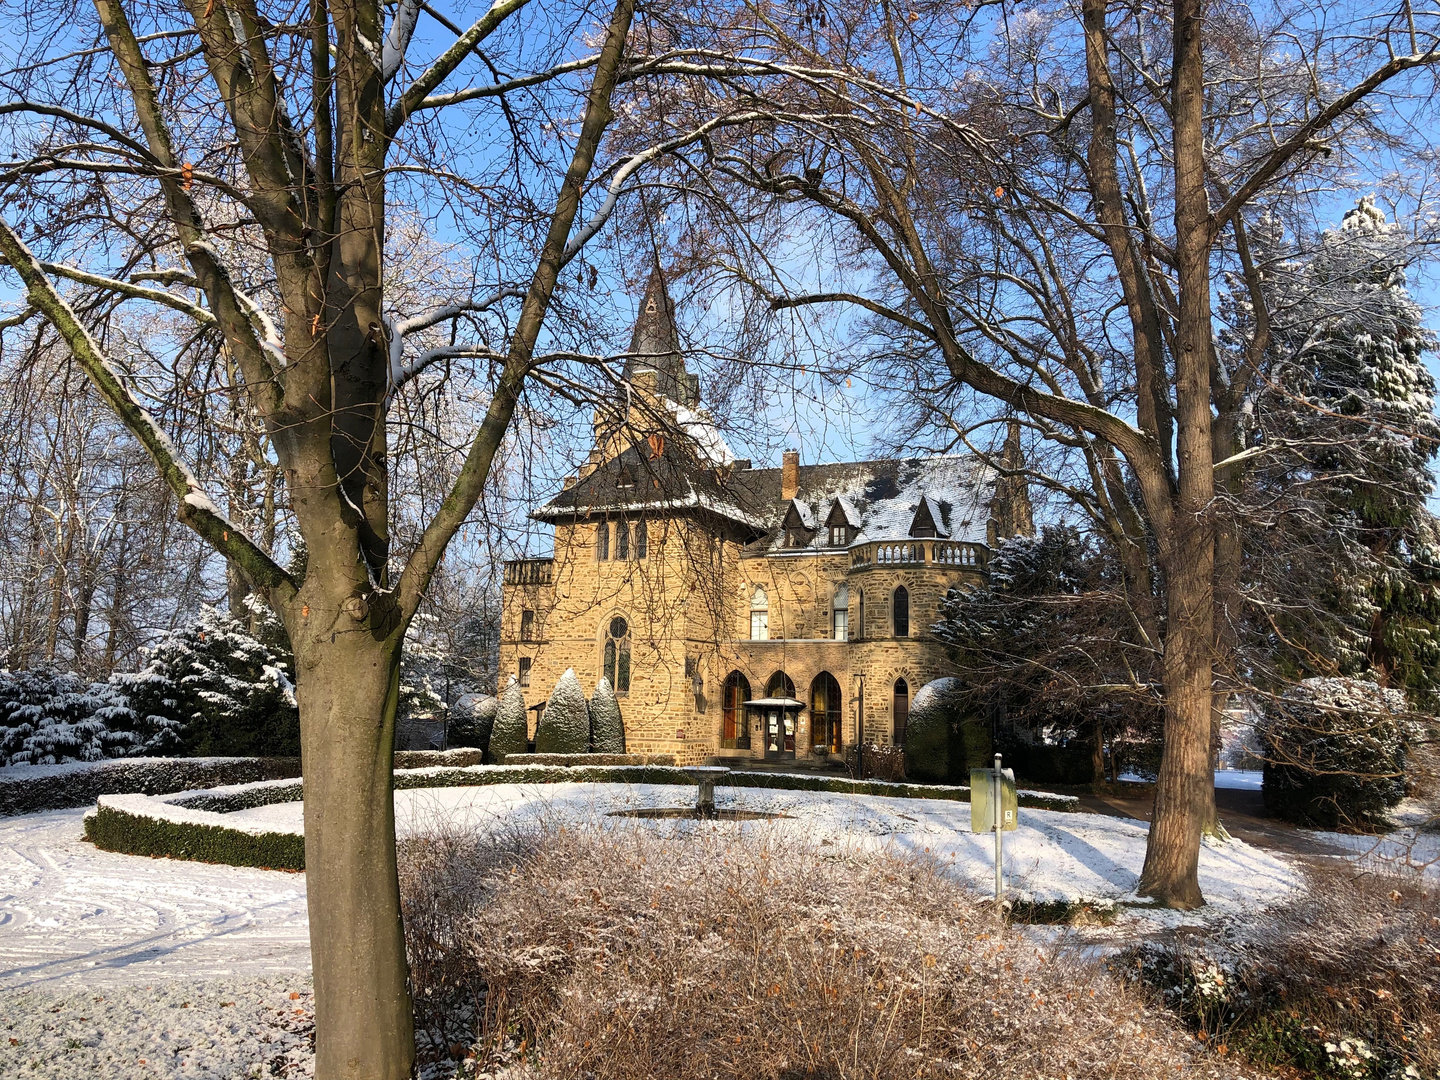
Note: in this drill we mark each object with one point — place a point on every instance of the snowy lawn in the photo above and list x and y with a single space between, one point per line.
1052 856
1413 845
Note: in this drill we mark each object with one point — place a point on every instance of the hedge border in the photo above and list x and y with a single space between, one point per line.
30 789
114 829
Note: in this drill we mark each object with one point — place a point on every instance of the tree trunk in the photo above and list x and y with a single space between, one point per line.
1097 755
347 689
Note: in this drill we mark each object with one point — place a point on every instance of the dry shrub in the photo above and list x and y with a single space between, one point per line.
634 952
1344 981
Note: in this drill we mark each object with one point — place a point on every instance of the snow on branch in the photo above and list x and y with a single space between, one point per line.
196 508
126 288
400 329
397 39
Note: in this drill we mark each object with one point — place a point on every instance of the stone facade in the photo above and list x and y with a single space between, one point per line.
692 580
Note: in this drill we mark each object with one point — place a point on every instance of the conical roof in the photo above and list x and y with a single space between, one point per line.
655 343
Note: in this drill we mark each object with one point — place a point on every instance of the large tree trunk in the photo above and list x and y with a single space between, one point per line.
1186 785
347 689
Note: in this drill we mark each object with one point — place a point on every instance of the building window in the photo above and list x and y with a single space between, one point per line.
617 654
900 609
602 541
759 616
626 479
825 712
524 671
902 710
795 537
840 614
780 685
839 535
860 620
642 539
527 626
733 732
622 540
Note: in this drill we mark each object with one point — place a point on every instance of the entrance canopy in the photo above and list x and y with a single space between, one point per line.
774 703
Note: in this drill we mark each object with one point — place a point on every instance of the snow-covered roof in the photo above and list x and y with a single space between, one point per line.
804 513
698 426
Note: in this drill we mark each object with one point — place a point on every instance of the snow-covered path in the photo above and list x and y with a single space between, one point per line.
72 915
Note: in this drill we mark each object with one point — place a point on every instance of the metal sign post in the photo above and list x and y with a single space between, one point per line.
994 806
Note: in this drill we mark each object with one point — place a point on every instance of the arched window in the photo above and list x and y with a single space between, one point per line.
825 711
737 692
642 539
759 616
617 654
902 710
780 685
602 541
840 614
622 540
900 610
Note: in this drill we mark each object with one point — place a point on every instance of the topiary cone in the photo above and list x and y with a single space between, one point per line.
607 730
565 725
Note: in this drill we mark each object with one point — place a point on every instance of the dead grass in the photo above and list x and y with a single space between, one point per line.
1343 982
637 951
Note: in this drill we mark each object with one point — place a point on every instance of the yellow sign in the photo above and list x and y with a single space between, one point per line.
982 801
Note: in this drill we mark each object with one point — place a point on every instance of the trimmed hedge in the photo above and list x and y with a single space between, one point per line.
425 759
1034 800
28 789
590 759
133 834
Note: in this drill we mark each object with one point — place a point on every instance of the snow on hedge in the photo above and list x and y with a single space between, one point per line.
607 729
509 735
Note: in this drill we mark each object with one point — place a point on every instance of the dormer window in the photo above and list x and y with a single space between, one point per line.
798 526
842 523
794 537
927 521
626 479
839 535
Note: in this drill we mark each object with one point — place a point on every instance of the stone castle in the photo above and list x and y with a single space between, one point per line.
743 612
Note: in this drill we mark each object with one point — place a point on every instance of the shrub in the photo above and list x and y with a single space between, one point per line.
607 729
625 954
1067 762
942 743
28 789
135 834
473 720
211 689
564 727
48 717
1335 752
510 734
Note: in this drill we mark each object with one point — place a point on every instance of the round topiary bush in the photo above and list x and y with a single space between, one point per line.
607 730
1335 752
509 734
564 727
473 721
934 743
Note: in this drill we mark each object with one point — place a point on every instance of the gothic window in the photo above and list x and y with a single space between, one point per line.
860 620
902 710
759 616
642 539
840 614
602 541
825 711
617 654
780 685
737 692
524 679
622 540
527 626
900 611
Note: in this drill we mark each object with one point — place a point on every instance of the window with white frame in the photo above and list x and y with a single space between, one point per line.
840 614
759 616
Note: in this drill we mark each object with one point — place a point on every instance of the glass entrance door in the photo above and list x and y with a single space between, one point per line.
779 733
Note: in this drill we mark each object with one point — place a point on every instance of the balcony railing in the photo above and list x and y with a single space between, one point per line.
528 571
945 553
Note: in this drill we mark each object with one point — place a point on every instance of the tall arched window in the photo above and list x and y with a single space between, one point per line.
780 685
902 710
617 654
759 616
840 614
622 540
825 711
737 692
602 541
860 614
642 539
900 610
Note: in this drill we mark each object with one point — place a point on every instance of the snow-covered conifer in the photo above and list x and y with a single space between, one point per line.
607 729
933 748
509 735
473 720
565 725
48 717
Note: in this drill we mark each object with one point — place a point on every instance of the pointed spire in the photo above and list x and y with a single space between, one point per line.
655 345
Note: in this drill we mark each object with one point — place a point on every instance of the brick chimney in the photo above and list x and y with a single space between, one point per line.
790 475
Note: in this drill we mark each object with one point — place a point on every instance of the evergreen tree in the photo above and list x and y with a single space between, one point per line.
607 730
510 734
211 689
565 725
934 740
48 717
473 721
1351 426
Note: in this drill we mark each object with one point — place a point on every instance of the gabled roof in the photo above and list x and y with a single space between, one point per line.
842 509
927 512
655 343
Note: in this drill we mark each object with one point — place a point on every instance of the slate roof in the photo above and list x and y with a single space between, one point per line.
882 496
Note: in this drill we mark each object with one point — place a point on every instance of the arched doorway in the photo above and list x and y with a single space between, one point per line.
779 716
734 728
901 710
825 712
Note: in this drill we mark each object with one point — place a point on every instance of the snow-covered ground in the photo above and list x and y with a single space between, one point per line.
1052 856
1231 779
75 915
1413 845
